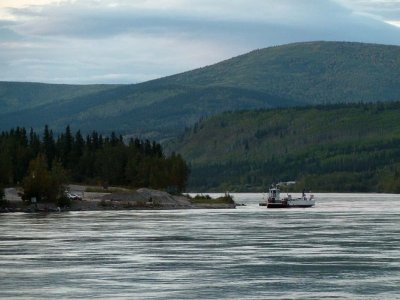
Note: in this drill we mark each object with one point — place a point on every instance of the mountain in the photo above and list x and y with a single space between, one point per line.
338 148
282 76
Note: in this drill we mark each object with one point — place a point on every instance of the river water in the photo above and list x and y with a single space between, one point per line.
347 247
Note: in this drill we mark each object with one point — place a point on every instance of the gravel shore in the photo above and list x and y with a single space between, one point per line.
143 198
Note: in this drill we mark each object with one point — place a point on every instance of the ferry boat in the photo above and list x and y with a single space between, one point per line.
274 200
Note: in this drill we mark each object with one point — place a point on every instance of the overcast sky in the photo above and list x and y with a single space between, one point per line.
129 41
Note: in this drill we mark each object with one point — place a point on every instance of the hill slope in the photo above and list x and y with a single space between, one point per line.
310 73
289 75
18 96
330 148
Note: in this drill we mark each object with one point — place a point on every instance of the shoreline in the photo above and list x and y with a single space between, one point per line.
141 199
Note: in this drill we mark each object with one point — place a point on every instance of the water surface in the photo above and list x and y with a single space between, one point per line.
348 246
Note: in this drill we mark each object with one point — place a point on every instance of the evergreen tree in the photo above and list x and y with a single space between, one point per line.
78 147
2 193
132 169
6 165
34 143
59 179
179 172
78 168
49 147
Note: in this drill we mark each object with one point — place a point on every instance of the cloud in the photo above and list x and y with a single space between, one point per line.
114 17
387 11
87 41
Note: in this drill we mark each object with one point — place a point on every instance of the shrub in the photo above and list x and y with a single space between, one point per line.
63 201
206 199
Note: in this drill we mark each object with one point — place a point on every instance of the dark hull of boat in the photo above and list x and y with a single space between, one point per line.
285 205
277 205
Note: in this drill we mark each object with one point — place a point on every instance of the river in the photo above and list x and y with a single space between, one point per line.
346 247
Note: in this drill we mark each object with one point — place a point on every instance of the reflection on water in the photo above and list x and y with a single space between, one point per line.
345 247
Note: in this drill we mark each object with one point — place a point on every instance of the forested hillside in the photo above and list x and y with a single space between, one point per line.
282 76
309 73
354 147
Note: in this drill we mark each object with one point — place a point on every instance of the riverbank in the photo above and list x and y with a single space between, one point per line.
120 199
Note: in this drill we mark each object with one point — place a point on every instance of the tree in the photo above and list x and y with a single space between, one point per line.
58 183
49 147
64 147
6 166
37 183
2 194
179 172
132 166
76 167
110 164
34 143
42 184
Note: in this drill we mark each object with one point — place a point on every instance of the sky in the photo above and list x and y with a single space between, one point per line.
131 41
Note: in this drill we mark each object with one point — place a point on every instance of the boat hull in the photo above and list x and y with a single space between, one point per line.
277 205
302 202
301 205
295 203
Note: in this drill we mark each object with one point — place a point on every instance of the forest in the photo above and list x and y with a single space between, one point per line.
90 159
334 148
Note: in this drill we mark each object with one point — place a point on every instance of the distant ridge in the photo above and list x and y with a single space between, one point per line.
280 76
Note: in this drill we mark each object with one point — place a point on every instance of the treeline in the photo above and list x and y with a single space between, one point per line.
94 159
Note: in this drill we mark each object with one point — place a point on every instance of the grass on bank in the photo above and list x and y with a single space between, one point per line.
206 199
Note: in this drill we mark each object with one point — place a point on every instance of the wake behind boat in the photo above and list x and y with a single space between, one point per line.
274 200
